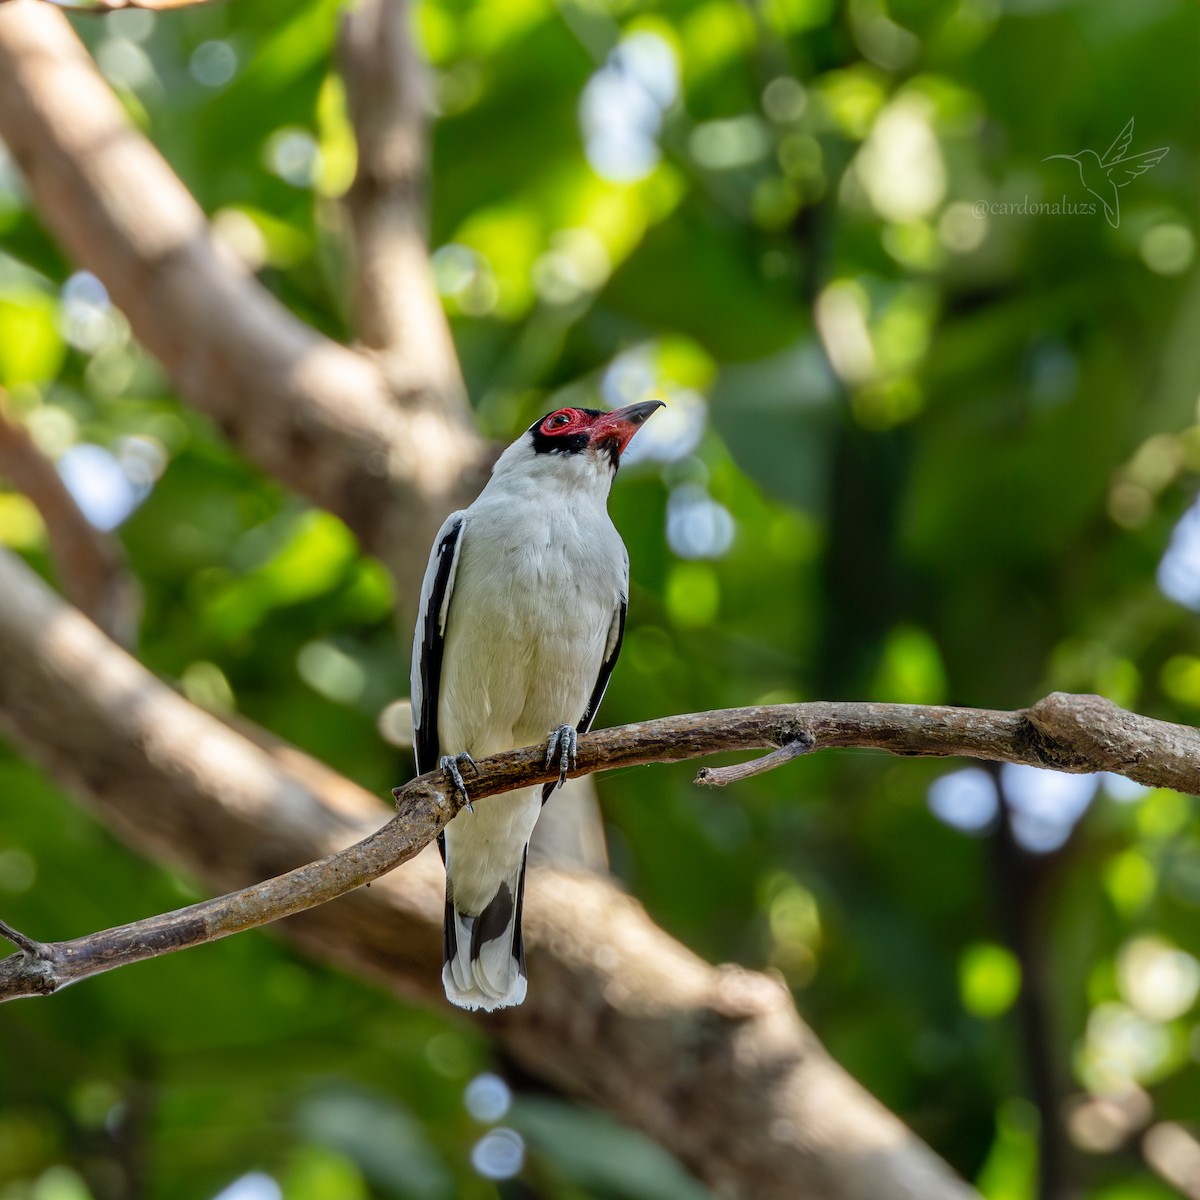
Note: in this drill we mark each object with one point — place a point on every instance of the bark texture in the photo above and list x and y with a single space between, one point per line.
397 310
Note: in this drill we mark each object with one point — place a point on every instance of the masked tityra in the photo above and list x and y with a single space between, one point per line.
522 612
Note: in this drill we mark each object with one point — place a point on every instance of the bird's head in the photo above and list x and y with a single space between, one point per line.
580 446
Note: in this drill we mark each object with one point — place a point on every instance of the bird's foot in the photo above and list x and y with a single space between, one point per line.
450 763
561 749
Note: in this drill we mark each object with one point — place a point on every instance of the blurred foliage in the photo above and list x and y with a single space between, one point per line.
932 436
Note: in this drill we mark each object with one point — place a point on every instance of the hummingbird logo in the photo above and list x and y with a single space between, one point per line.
1105 177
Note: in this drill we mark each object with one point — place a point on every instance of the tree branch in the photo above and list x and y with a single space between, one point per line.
723 776
91 565
396 306
714 1063
318 416
1063 732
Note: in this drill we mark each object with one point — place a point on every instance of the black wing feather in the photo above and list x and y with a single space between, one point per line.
606 670
426 746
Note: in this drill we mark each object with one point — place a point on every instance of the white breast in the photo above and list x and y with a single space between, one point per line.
534 597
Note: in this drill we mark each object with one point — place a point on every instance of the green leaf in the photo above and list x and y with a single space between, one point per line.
31 349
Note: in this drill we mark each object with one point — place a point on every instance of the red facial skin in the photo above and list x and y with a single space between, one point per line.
567 421
615 428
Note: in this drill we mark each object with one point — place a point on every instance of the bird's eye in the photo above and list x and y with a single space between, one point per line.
559 420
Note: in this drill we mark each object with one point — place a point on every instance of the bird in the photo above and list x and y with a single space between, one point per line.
521 617
1104 177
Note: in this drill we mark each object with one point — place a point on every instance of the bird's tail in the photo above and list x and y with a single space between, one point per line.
483 956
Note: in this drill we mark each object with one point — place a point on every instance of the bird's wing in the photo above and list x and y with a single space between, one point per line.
1125 170
429 641
612 648
1120 146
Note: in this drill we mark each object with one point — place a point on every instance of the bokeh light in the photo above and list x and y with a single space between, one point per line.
499 1154
622 107
965 799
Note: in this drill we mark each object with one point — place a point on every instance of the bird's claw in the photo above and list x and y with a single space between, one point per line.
450 763
561 749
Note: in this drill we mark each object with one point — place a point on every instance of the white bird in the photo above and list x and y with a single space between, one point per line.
522 613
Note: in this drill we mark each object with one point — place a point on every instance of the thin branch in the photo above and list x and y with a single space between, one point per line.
723 776
91 564
320 417
1065 732
32 948
396 306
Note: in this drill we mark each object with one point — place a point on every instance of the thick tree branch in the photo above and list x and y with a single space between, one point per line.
90 564
396 306
318 416
714 1063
